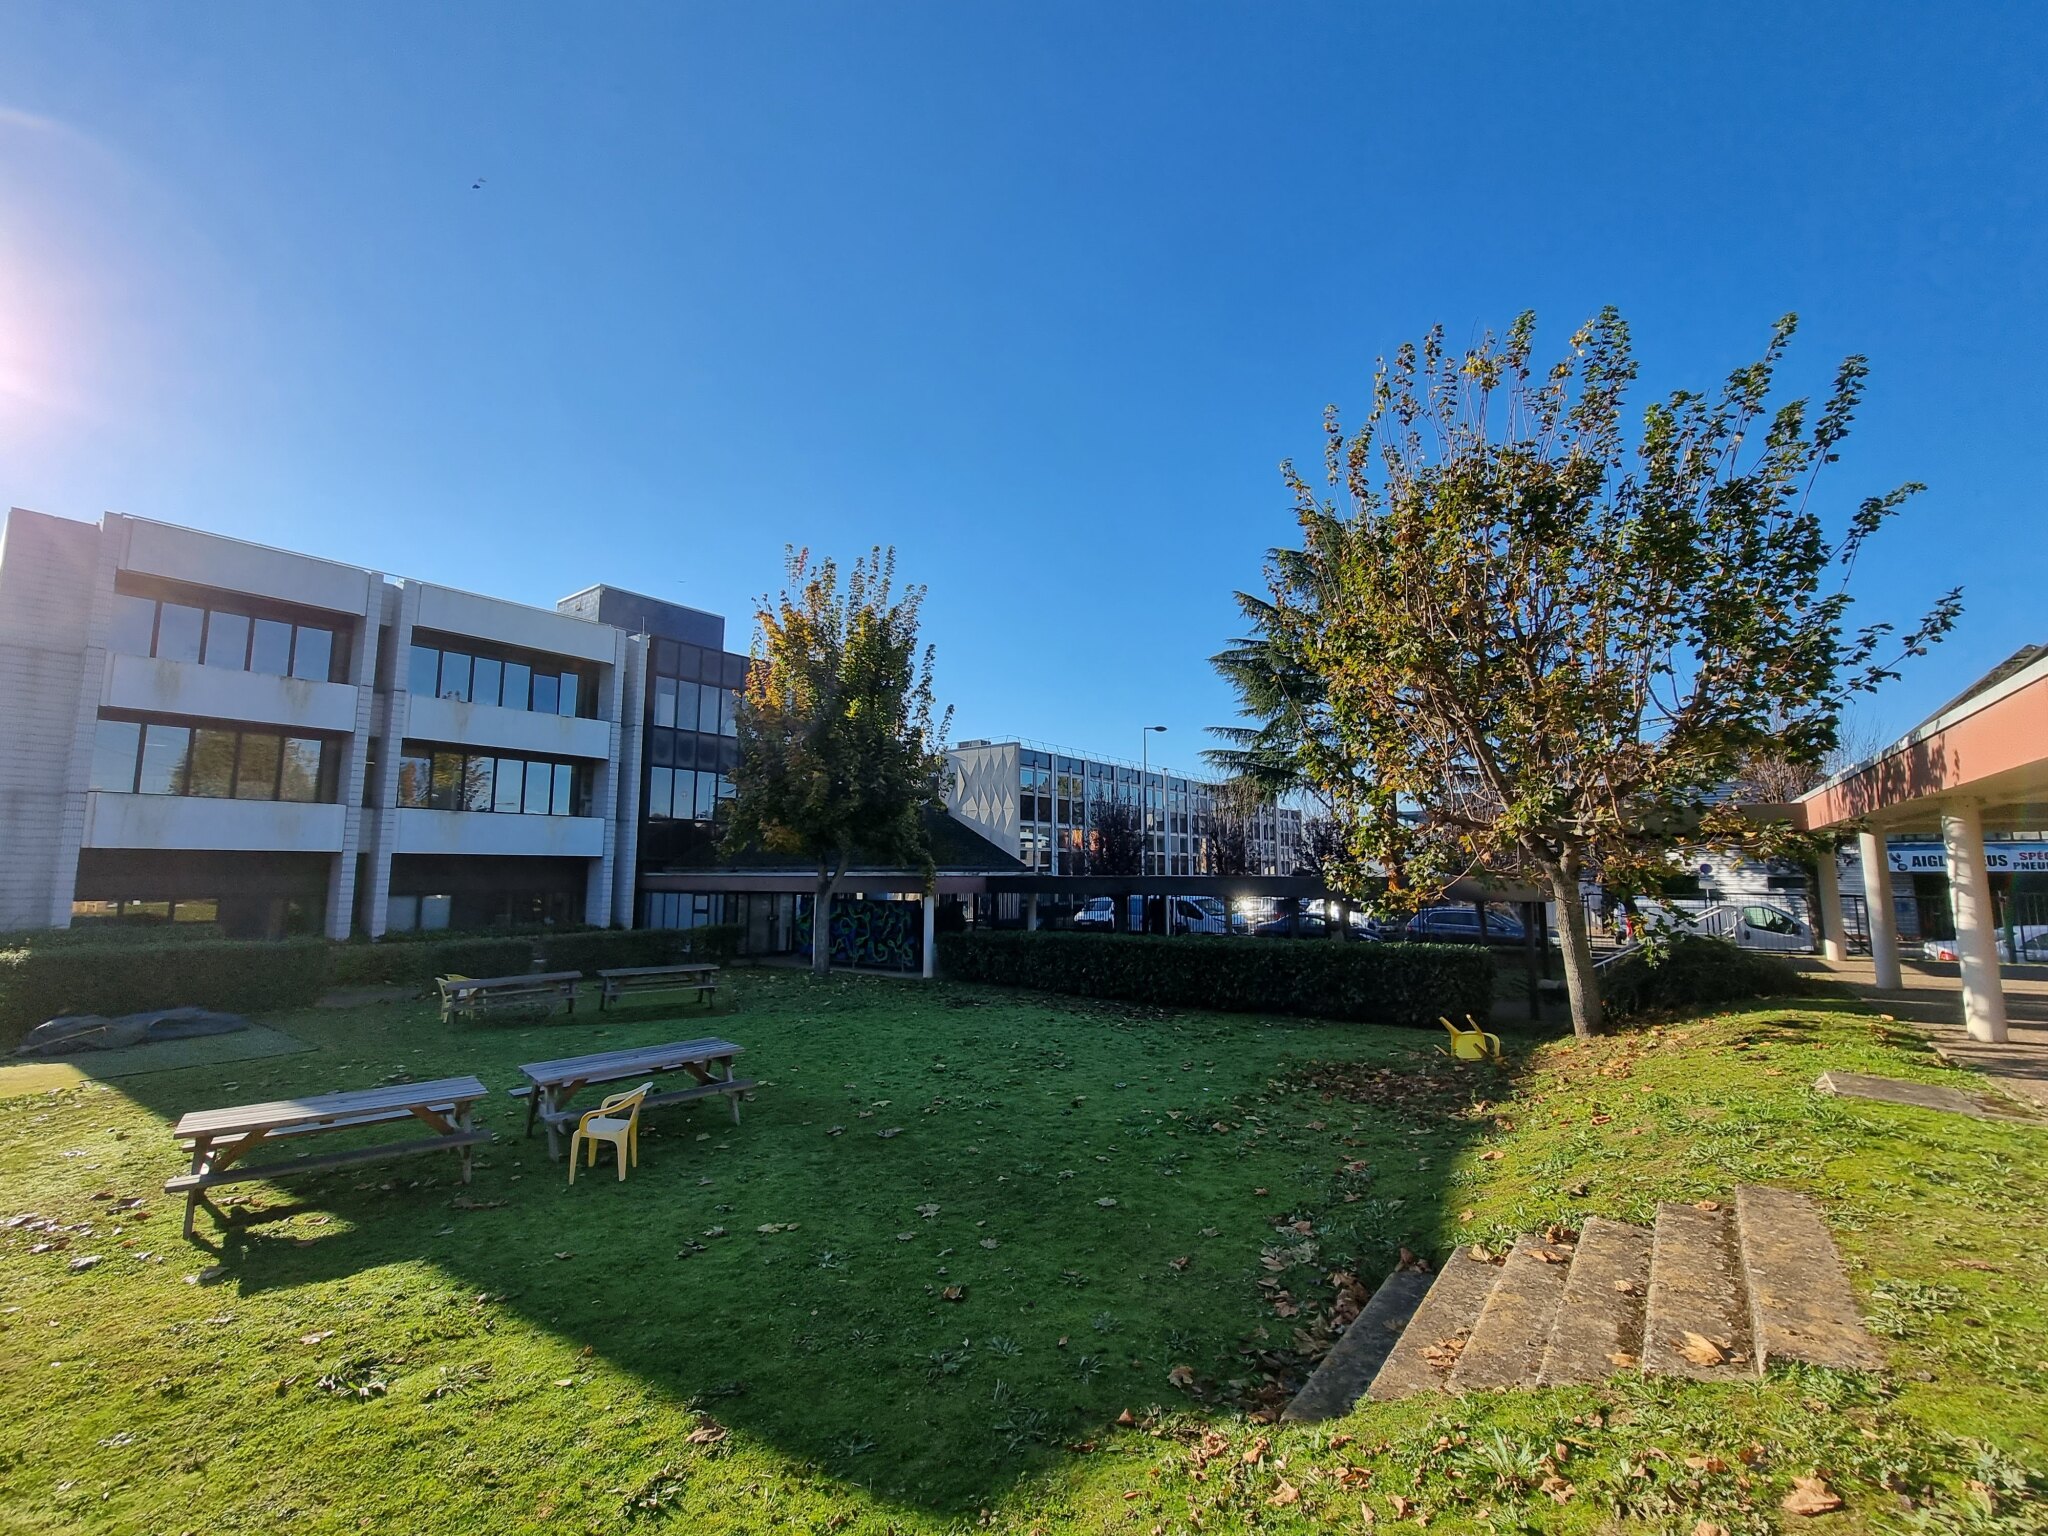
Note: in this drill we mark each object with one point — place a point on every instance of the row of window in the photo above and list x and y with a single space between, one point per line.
507 784
682 749
694 664
215 762
471 678
676 794
144 913
223 637
695 707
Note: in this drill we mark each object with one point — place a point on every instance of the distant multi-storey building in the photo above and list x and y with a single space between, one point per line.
1037 803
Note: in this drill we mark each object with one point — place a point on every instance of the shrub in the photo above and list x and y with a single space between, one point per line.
416 962
236 976
602 949
1694 971
1377 983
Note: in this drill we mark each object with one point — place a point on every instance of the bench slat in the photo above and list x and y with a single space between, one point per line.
238 1173
657 1100
657 970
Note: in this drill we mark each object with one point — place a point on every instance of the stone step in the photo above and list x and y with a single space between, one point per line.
1507 1343
1800 1304
1422 1357
1696 1317
1348 1369
1599 1328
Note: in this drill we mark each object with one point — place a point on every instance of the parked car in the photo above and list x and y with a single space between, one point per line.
1460 925
1185 914
2033 947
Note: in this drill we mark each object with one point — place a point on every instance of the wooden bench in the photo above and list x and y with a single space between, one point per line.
552 1084
480 994
218 1138
615 984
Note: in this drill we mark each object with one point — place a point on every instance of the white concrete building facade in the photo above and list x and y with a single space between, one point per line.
199 729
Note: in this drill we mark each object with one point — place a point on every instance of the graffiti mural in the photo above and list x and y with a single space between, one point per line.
869 935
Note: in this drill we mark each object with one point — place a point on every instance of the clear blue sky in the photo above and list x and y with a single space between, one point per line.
1039 293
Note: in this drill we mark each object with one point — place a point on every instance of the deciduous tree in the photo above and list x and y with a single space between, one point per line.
841 745
1541 642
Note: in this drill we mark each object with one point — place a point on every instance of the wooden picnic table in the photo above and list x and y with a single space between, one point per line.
552 1084
480 994
218 1138
617 982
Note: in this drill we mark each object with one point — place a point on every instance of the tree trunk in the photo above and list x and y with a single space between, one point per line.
1582 982
821 924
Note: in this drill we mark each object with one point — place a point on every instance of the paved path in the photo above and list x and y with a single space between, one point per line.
1931 999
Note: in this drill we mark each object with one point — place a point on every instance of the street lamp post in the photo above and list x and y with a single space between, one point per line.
1145 796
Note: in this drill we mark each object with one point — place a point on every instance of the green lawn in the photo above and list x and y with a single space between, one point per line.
1142 1213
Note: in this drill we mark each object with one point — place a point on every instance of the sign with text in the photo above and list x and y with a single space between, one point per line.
1999 858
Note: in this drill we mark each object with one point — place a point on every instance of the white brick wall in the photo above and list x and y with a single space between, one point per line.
48 567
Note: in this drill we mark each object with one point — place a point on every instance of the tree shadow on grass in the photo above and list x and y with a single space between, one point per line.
956 1234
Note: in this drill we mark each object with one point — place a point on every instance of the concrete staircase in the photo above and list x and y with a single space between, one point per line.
1712 1293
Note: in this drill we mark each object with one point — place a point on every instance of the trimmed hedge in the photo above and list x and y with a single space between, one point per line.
419 961
1375 983
1695 971
232 975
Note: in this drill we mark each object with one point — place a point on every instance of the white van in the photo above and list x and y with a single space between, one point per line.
1185 914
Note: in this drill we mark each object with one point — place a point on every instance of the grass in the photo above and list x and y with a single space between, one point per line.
1146 1214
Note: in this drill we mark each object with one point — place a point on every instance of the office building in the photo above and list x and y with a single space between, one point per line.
1038 802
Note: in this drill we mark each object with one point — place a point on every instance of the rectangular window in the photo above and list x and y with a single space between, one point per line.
445 794
664 702
299 776
256 777
213 764
191 911
518 685
423 671
661 784
164 750
270 647
415 771
454 676
178 628
488 681
313 654
689 663
565 790
114 745
547 692
479 783
729 714
707 795
661 747
540 788
570 684
227 640
707 708
435 913
134 628
510 785
402 914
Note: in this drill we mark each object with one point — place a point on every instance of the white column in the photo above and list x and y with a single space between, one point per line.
931 925
1834 944
1877 897
1031 912
1969 894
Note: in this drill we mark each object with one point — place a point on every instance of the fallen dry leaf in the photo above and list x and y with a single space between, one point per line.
1709 1528
1558 1489
953 1293
1699 1349
1126 1418
1810 1496
1492 1155
1182 1376
1256 1451
1284 1495
708 1433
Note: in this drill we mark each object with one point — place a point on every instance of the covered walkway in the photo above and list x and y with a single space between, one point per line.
1979 765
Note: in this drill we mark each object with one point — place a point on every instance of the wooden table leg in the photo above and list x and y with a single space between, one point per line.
462 1121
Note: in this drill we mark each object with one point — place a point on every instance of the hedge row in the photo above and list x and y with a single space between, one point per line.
1377 983
235 976
1695 971
43 980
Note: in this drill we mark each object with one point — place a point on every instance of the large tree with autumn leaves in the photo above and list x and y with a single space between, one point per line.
1525 635
841 745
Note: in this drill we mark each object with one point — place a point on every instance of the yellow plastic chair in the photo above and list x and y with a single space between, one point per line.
616 1120
1473 1044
